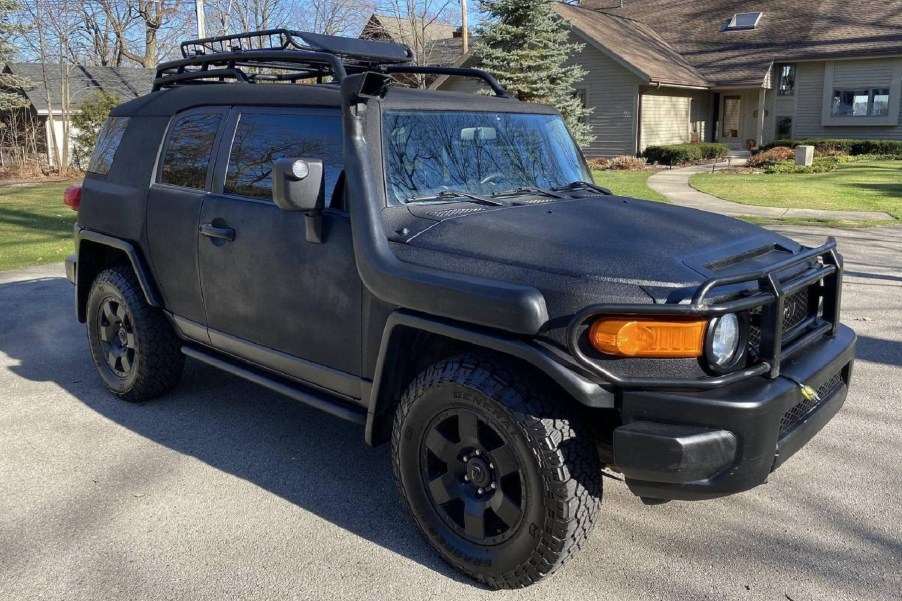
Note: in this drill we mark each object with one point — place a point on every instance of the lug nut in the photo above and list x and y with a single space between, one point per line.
466 478
493 486
476 452
491 466
479 490
465 458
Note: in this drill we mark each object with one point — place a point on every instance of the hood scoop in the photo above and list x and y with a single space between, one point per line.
742 257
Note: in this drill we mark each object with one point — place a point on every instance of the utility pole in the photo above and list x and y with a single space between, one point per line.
463 26
199 11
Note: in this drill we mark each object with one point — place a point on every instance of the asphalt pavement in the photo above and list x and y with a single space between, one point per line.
223 490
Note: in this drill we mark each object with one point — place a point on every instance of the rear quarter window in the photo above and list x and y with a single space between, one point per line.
107 144
189 149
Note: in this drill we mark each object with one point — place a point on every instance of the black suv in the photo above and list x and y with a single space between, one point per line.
440 268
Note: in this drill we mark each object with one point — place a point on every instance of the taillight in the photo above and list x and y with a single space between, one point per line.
72 197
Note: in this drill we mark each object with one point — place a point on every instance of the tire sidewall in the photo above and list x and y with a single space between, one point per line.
101 291
493 560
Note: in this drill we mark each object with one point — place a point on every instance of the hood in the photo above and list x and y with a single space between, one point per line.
656 246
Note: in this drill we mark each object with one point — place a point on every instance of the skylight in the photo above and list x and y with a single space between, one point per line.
742 21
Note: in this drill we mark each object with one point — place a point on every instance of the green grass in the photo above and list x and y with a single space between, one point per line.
628 183
858 186
35 225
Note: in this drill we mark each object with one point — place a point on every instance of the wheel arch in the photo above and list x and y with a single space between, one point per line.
96 252
411 342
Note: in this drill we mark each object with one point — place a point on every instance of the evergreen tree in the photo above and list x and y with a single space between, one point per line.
11 86
524 44
92 113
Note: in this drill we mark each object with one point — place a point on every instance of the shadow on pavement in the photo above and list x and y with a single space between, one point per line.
316 461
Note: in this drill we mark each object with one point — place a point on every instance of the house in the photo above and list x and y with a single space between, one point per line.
433 43
46 94
740 72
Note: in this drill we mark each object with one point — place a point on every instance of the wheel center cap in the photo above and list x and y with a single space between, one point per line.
123 336
479 472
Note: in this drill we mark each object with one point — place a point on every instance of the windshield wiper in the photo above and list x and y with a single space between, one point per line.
449 194
581 185
526 190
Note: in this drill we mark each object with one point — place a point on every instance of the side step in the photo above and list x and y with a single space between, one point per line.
314 399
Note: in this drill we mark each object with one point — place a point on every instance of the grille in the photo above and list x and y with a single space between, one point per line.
806 406
796 309
455 212
536 201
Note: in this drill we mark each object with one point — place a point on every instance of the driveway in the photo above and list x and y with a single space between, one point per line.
223 490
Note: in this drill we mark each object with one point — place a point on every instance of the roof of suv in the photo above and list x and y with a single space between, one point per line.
176 99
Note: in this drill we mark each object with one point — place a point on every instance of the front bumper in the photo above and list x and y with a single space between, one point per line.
700 445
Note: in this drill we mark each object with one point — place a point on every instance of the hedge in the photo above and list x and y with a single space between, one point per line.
852 147
676 154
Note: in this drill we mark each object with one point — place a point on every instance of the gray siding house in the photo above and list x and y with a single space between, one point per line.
739 72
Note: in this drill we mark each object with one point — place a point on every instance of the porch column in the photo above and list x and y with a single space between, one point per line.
759 134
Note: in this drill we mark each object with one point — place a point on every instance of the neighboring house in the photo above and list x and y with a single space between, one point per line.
435 44
46 95
738 72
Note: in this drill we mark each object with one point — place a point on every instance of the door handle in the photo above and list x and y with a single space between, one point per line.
212 231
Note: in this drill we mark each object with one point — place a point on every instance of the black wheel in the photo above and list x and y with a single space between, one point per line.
501 480
136 353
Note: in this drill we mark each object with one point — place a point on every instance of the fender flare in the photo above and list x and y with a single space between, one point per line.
142 272
583 390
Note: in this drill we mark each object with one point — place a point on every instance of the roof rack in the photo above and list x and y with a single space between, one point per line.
284 55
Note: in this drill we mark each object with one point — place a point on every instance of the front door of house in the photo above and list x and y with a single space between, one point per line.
731 120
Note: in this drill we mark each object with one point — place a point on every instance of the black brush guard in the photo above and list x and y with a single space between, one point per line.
771 297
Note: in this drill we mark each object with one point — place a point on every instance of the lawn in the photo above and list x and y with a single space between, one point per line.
628 183
862 186
35 225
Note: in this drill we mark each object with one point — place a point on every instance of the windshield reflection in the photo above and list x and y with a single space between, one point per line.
476 152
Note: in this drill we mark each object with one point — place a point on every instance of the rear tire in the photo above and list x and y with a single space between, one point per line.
135 350
501 480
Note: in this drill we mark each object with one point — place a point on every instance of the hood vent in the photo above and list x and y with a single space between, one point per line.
741 257
455 212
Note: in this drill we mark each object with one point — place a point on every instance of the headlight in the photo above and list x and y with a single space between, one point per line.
723 340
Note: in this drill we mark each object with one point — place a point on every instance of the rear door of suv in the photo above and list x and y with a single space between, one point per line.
183 175
271 296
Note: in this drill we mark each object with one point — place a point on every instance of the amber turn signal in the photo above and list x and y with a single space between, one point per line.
648 337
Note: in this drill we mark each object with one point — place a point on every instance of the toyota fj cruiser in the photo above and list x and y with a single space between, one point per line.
441 268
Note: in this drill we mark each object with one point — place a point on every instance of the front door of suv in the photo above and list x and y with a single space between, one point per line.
271 296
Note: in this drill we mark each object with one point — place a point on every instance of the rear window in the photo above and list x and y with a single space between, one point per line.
189 149
262 138
107 143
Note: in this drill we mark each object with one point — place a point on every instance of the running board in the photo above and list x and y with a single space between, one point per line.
317 400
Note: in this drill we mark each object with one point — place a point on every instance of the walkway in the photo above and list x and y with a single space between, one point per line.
674 185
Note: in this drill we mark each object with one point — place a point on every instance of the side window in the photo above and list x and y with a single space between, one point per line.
262 138
107 143
188 152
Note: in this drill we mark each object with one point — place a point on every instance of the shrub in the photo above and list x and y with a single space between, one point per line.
598 163
820 165
627 162
676 154
832 146
774 155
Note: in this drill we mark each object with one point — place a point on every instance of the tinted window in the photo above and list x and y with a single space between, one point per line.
260 139
107 143
188 153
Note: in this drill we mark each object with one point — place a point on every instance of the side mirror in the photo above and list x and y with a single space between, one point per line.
298 184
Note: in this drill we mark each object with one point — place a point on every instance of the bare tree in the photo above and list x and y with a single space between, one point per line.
145 30
422 25
333 17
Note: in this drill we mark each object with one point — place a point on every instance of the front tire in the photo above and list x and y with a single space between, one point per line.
501 481
135 350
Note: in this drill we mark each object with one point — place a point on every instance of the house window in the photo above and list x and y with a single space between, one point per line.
786 85
861 103
784 128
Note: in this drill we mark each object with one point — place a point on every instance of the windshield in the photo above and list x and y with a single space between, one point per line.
478 153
